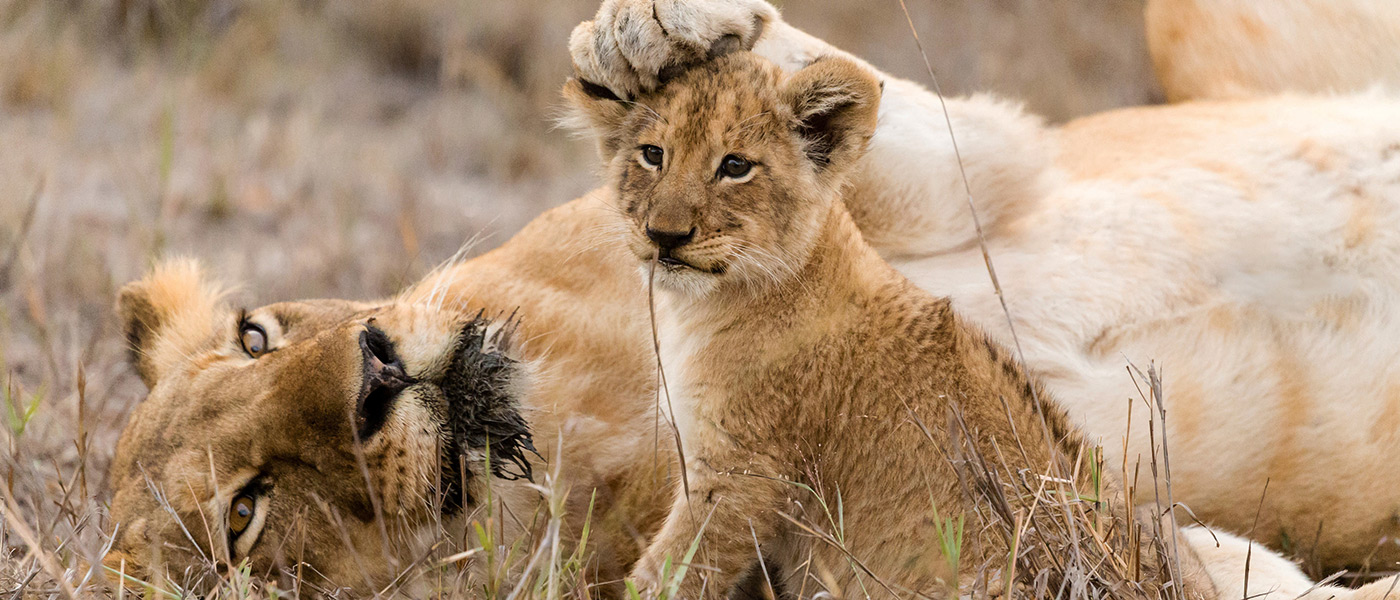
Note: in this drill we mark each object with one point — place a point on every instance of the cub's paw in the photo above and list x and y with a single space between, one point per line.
633 46
646 583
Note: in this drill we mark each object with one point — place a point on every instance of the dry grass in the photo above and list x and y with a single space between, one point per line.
318 148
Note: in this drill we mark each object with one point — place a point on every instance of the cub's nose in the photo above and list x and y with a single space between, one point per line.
669 240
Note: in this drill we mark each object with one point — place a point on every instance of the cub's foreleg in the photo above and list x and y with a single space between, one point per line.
733 506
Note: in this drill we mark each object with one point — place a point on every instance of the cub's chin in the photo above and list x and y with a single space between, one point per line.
680 277
683 271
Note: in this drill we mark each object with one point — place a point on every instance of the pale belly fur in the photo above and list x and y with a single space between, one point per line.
1261 275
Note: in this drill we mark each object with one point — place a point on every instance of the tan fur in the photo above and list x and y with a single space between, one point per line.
573 277
210 406
568 273
1220 49
802 361
593 371
1246 246
216 419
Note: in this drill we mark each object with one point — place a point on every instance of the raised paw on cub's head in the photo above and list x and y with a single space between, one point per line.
632 46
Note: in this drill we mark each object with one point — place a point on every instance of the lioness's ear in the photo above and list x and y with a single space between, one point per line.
168 315
595 109
835 102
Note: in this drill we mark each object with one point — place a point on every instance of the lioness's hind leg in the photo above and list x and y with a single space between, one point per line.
1226 558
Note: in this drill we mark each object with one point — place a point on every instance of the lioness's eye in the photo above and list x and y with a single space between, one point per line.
240 514
652 155
734 167
247 514
253 339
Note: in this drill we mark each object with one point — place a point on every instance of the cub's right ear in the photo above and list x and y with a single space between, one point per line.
595 109
169 315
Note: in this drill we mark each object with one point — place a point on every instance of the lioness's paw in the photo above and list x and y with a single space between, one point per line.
631 46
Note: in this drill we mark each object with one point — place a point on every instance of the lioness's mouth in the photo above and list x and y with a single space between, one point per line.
480 415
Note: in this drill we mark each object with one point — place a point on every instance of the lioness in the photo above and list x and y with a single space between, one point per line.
1209 224
799 363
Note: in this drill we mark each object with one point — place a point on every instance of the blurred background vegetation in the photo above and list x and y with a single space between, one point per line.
340 148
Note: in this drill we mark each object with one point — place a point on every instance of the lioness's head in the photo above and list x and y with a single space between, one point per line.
314 436
725 171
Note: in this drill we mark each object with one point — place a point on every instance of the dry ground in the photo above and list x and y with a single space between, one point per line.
322 148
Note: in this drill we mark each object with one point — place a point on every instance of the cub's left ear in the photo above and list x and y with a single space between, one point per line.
835 102
595 109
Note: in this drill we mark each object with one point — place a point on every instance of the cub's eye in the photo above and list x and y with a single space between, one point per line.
253 339
240 514
734 167
652 155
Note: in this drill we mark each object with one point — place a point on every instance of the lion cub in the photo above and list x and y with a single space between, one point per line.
812 385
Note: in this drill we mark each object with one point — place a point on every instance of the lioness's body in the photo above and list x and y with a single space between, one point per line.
1252 250
1219 49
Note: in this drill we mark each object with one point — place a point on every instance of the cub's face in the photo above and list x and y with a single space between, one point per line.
725 174
317 436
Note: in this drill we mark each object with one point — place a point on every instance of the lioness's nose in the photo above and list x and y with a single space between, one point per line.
384 372
669 240
384 375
